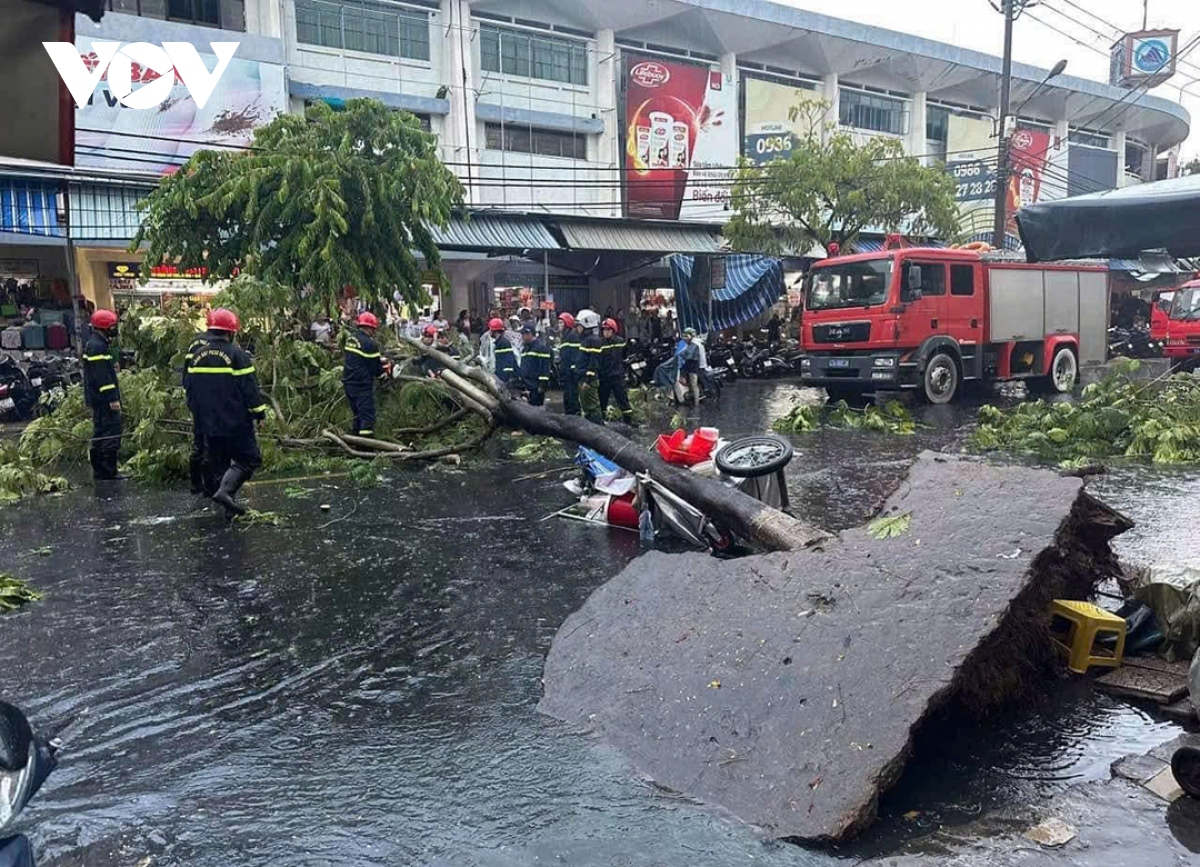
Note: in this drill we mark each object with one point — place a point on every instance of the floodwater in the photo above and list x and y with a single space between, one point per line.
359 686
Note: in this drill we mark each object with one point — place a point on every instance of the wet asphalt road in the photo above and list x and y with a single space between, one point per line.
359 686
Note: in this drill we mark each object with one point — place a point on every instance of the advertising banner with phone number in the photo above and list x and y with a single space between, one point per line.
770 132
680 140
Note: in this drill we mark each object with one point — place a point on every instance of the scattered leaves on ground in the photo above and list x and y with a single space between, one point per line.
890 417
15 593
255 518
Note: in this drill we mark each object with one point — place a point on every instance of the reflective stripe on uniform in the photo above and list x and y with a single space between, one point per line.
537 354
590 349
108 387
363 354
245 371
505 349
97 358
544 378
610 346
365 433
261 408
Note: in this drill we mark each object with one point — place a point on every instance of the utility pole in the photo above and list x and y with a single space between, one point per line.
1145 14
1000 227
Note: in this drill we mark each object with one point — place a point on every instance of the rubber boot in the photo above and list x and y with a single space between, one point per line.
196 472
231 482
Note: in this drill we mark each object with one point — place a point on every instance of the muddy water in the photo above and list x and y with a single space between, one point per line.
359 686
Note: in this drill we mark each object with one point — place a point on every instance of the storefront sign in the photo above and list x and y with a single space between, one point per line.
680 140
971 156
770 132
19 269
111 135
130 271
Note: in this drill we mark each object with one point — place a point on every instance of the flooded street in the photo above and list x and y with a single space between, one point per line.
359 686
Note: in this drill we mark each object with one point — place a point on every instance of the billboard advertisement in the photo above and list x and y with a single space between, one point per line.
109 135
769 131
1038 170
971 154
680 140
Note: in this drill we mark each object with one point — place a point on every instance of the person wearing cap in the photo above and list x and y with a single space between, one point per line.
612 371
568 363
223 395
427 364
362 366
689 365
503 355
103 395
535 364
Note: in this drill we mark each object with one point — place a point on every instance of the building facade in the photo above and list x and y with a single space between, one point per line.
594 113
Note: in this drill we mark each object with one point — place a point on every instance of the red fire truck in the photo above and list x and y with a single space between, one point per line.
930 319
1175 322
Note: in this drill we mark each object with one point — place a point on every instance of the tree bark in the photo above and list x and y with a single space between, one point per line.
744 515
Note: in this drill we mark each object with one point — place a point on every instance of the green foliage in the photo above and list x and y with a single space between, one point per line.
890 526
19 478
538 449
892 417
639 402
321 200
1114 418
833 190
15 593
255 518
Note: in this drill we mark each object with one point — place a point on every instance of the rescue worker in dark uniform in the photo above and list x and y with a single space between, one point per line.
223 396
103 395
362 367
431 337
612 371
201 475
568 361
535 364
588 366
506 358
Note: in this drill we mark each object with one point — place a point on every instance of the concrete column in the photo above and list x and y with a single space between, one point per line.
918 114
1061 131
1148 163
1119 140
265 17
1173 162
831 93
460 144
609 146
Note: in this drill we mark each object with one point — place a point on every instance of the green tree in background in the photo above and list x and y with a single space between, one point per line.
834 190
320 201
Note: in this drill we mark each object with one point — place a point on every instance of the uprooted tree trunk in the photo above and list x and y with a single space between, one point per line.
746 516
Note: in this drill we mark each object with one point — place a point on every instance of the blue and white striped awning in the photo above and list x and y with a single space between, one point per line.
752 285
30 208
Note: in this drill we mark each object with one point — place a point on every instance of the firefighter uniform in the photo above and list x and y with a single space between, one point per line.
569 353
612 376
363 366
223 395
101 392
199 470
588 368
535 370
506 359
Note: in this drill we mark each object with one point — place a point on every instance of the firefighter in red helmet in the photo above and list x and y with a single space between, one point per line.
203 480
103 395
363 366
223 395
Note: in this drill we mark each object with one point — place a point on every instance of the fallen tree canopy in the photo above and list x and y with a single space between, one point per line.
1117 417
786 688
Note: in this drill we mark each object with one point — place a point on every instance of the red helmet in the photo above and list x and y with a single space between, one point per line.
368 320
496 324
224 320
104 320
430 331
567 320
610 324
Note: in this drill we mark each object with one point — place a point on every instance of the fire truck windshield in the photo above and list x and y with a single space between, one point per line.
853 284
1186 305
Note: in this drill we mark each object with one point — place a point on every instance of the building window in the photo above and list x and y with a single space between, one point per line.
869 111
1088 138
531 140
356 25
937 123
519 52
1135 158
226 14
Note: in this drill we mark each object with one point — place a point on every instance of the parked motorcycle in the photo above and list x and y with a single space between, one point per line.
26 760
761 362
18 398
1133 343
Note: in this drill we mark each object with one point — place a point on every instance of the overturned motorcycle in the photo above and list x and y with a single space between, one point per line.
26 760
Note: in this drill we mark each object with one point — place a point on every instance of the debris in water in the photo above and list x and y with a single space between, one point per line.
1052 833
890 526
15 593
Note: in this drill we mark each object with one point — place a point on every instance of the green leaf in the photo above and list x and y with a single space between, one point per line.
890 526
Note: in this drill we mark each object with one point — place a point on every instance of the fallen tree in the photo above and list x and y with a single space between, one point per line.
749 518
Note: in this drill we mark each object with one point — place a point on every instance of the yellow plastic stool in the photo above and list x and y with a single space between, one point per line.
1087 622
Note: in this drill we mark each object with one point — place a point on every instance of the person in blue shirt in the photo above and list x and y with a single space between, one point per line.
569 353
362 367
535 364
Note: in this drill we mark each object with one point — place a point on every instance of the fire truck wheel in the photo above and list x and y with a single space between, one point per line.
941 379
1064 373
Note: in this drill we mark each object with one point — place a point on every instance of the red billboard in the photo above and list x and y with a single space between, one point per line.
1037 170
680 140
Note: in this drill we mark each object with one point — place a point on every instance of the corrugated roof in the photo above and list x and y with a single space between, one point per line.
630 237
495 232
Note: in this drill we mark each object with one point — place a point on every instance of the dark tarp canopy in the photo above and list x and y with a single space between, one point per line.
1116 224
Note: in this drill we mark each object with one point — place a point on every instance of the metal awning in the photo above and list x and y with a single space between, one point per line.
515 233
636 236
